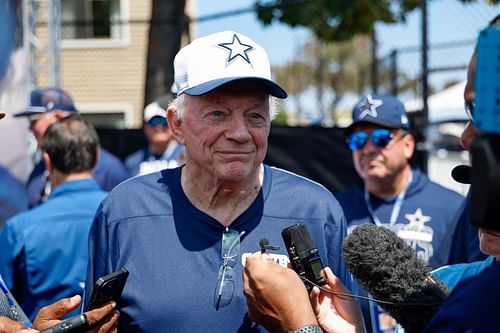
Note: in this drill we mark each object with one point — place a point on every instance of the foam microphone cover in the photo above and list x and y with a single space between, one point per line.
390 271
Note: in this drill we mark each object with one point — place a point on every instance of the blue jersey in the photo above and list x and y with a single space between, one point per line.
453 274
43 251
173 250
471 307
143 161
426 220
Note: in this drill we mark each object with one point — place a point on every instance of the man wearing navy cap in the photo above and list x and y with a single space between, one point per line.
184 233
392 193
47 106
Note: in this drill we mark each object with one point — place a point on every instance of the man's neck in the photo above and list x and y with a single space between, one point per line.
56 177
223 200
390 187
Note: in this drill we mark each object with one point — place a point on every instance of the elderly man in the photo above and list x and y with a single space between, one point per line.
184 233
393 193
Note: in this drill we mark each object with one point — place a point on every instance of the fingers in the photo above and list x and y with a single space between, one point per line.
59 308
314 297
109 324
9 325
96 315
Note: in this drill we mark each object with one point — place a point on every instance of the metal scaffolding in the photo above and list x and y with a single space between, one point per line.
42 53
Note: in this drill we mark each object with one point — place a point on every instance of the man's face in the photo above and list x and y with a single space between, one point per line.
374 163
157 131
39 124
489 242
469 132
225 132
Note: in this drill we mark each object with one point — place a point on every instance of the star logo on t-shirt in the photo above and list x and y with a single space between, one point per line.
370 106
237 49
417 219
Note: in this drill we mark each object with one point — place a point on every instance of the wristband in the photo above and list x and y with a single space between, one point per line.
308 329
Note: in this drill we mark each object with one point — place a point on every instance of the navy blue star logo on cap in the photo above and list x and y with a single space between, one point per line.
237 49
370 107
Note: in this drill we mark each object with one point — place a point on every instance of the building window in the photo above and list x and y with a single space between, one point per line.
91 19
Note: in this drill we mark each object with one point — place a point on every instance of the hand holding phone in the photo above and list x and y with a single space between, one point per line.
108 288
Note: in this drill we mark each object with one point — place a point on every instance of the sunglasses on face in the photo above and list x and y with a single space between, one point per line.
379 137
155 121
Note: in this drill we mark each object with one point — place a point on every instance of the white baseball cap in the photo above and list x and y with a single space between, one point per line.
154 110
214 60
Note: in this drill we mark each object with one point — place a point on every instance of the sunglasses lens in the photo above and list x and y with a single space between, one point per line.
357 140
381 137
157 121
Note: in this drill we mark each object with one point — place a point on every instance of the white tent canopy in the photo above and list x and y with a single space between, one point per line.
446 105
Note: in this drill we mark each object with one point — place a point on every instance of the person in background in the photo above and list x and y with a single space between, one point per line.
163 150
47 106
13 196
183 232
14 320
466 247
43 251
488 240
392 192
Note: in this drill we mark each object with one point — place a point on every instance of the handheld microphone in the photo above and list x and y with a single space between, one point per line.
391 272
303 255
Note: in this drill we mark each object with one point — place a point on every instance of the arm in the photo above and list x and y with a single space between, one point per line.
336 314
103 319
276 296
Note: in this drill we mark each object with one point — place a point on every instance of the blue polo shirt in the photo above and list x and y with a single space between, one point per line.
43 251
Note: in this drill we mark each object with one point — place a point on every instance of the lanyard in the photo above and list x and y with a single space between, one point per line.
395 209
12 304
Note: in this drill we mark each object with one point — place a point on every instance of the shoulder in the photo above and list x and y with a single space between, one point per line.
292 181
426 184
139 196
135 157
453 274
289 189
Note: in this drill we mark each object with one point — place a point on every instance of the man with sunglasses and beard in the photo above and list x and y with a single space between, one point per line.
392 193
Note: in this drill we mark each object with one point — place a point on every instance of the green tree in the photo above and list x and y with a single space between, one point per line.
334 20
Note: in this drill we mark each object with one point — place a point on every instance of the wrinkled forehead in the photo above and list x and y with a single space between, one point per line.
249 93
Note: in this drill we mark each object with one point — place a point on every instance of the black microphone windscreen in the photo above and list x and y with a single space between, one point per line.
390 271
263 242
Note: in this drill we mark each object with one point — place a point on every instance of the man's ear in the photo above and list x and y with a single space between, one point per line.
175 124
409 145
48 162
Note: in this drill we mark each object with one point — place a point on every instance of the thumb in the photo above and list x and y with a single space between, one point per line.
59 308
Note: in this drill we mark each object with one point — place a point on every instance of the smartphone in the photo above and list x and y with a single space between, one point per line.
76 324
107 288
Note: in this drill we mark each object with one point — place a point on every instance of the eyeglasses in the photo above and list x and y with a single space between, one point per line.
225 281
380 137
469 109
157 120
